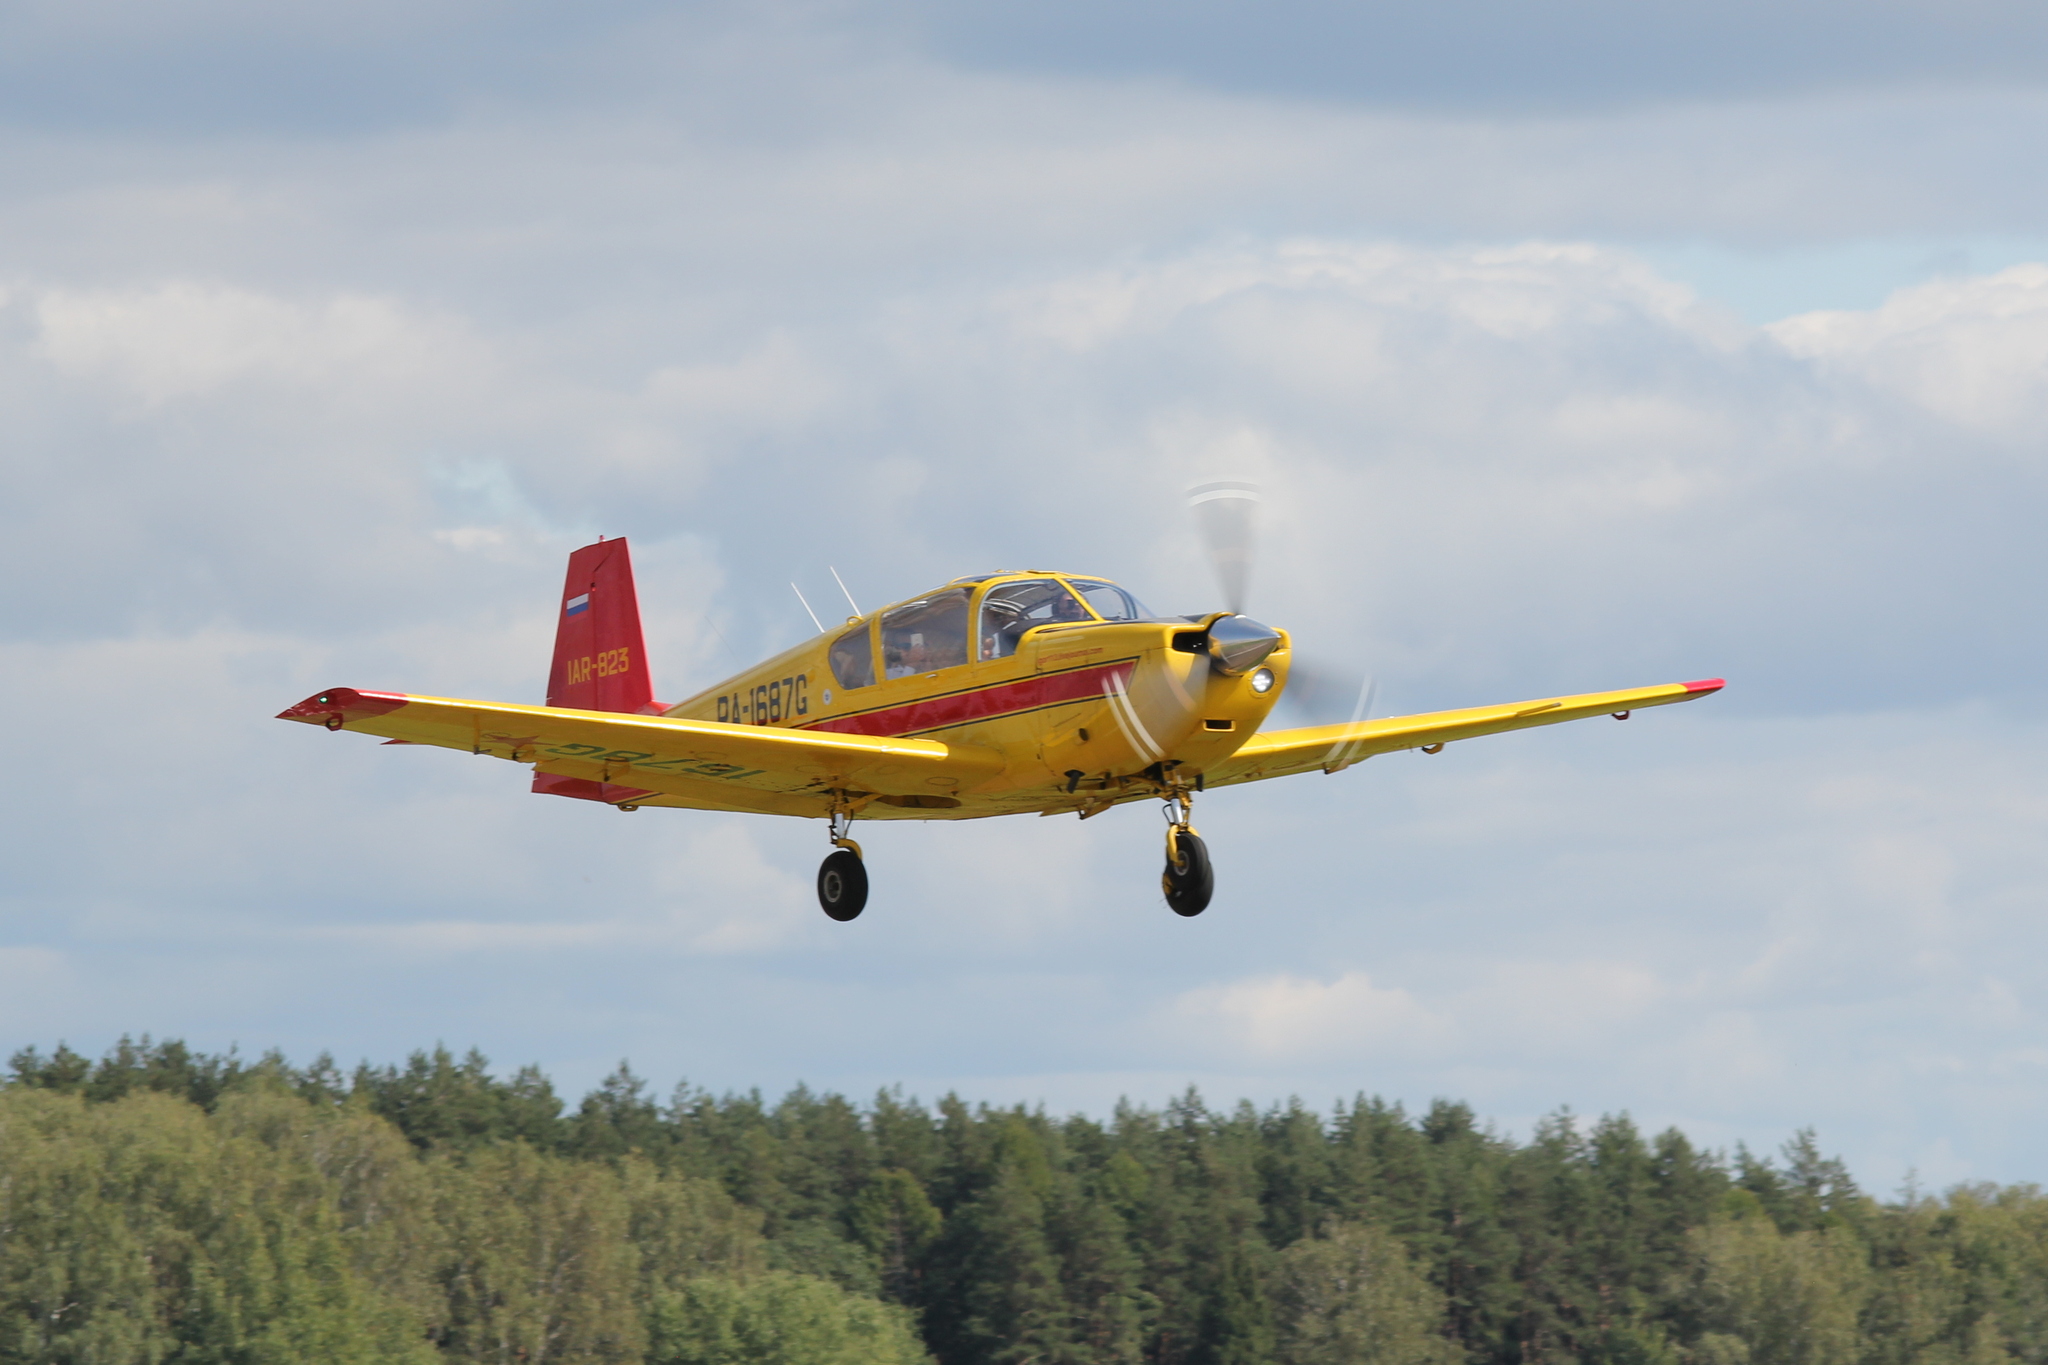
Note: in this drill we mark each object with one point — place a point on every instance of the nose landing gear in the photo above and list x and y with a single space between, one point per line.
1189 880
842 877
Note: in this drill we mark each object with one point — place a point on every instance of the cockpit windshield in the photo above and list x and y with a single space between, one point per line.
1013 608
1109 601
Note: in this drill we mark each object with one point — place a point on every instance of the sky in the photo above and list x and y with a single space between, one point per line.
1575 345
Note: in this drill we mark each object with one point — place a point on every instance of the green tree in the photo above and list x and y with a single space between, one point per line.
63 1071
1109 1312
438 1102
162 1204
79 1257
381 1193
1999 1237
777 1319
1355 1295
897 1222
138 1230
619 1117
682 1228
999 1296
1475 1252
1772 1298
1931 1300
540 1266
1296 1177
1236 1326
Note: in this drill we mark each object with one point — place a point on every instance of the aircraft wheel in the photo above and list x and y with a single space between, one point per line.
843 885
1189 880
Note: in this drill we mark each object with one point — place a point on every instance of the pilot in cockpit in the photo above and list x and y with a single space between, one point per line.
1010 610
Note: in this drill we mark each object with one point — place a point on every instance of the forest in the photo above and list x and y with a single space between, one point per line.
165 1205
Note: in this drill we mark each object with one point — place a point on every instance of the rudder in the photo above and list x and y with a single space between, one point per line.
600 659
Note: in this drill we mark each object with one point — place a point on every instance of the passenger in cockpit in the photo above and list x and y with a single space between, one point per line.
926 635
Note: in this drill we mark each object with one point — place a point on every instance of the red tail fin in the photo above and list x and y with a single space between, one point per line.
600 660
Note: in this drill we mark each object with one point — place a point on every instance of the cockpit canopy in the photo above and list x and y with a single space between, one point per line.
1010 609
932 632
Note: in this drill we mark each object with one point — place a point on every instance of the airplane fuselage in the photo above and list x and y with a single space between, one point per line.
1077 713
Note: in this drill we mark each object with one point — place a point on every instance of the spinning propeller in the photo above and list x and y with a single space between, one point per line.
1226 515
1226 512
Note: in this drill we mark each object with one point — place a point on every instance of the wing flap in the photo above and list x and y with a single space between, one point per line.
1333 748
686 758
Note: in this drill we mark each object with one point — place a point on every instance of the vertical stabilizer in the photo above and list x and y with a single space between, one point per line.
600 660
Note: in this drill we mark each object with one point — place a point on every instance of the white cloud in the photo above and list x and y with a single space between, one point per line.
721 894
445 938
1535 1009
1973 350
183 338
718 896
1287 1020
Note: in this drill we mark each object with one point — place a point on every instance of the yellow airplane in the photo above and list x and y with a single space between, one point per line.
1013 693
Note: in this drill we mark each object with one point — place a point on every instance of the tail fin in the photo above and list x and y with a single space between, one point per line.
600 659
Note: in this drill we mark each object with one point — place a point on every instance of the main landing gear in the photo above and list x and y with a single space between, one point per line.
842 877
1189 880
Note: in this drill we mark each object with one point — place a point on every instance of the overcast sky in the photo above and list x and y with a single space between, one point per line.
1577 346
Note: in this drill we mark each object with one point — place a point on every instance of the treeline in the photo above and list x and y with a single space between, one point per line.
163 1205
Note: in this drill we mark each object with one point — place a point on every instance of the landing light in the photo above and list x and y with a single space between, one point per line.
1262 681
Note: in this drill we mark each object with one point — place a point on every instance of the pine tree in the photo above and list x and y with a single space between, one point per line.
897 1223
998 1297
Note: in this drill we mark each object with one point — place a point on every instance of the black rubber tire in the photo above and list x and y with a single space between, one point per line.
1189 880
842 885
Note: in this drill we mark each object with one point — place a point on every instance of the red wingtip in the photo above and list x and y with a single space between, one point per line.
346 702
1705 686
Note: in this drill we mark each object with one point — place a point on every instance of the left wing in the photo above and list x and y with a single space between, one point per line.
1333 748
705 763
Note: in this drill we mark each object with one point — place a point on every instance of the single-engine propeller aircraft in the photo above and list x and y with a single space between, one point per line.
1025 692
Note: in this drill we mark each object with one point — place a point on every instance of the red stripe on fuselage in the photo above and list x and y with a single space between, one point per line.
979 703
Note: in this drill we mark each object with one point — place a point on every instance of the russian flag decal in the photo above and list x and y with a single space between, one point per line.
577 604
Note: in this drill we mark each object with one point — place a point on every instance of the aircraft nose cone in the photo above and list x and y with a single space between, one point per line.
1238 644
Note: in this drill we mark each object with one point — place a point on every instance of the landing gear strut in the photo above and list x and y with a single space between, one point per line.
1189 881
842 877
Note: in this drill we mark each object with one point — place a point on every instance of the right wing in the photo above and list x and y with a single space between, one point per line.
1333 748
707 764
